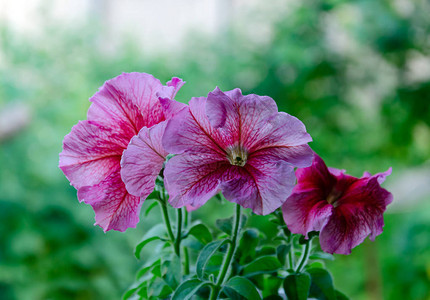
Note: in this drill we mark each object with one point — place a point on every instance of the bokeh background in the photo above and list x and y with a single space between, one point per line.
356 72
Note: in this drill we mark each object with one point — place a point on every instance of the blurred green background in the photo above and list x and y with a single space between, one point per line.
357 73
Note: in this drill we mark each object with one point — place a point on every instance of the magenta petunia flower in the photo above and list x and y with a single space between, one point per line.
92 150
343 208
240 145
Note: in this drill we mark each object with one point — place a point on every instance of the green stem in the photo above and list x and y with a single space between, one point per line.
178 232
290 257
228 258
186 261
305 256
167 220
289 236
187 216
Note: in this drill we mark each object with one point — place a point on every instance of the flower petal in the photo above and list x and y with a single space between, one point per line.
193 179
238 117
306 211
307 208
281 130
90 153
358 214
380 176
260 185
172 87
114 207
285 137
297 156
128 102
143 160
189 130
317 176
171 107
166 96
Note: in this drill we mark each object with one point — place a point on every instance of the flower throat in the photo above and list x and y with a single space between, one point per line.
237 156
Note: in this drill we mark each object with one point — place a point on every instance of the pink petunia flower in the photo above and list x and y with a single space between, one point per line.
240 145
92 150
343 208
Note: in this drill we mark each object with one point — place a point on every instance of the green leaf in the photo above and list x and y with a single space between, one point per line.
266 250
172 271
321 284
204 256
188 288
143 292
214 263
133 289
226 226
282 251
247 245
159 289
321 255
271 285
155 195
264 264
153 204
273 297
316 264
156 232
341 296
296 286
143 243
201 233
244 287
274 219
145 269
159 183
219 197
280 238
156 270
129 293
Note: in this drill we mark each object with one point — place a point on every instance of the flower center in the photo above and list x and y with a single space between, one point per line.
333 197
237 156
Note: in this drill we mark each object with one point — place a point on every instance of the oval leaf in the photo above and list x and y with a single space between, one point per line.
321 284
321 255
341 296
244 287
142 244
282 251
248 242
150 207
264 264
206 254
188 288
297 286
146 268
201 233
225 225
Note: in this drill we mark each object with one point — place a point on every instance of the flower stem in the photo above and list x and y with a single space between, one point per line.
186 261
305 256
187 216
289 236
167 220
178 232
228 258
290 257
